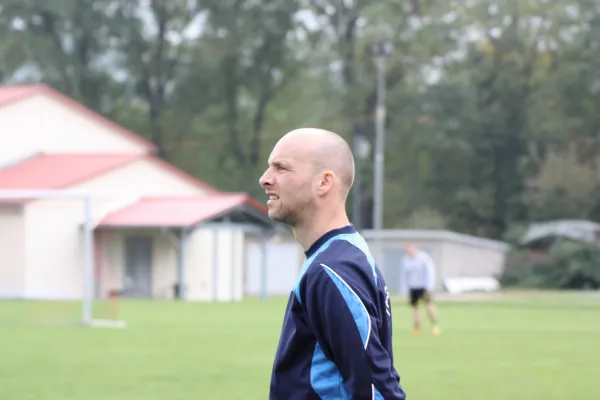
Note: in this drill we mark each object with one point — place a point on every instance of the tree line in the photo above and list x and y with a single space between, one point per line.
491 105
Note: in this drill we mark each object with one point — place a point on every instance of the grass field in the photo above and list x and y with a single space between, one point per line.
517 347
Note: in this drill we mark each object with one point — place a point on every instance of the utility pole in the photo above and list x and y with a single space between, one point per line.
362 148
357 189
380 56
381 52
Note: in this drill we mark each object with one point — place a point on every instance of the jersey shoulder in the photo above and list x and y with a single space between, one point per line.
346 257
352 272
346 253
347 263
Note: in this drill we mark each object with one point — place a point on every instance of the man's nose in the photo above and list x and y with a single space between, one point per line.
265 180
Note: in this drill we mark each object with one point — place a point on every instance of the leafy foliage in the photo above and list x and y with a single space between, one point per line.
570 265
491 105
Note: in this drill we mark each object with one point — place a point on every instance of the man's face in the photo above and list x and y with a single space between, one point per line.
288 181
411 250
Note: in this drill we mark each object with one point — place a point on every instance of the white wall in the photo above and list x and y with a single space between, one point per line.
144 177
51 255
43 124
111 261
284 260
462 260
199 266
54 249
455 255
12 260
204 256
390 261
124 186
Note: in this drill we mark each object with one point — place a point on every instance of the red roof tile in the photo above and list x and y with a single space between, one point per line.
173 211
12 94
57 171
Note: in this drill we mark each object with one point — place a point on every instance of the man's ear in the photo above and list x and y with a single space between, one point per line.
326 182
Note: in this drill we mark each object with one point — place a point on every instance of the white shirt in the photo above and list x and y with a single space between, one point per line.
418 272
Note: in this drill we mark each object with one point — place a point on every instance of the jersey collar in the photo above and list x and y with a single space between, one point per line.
348 229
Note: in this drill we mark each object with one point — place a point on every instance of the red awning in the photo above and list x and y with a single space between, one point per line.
173 211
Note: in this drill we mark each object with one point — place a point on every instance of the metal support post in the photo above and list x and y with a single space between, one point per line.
181 265
264 281
216 261
88 262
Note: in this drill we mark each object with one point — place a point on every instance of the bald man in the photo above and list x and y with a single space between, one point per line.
336 340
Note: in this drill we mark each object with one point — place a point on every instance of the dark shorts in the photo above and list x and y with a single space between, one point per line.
419 294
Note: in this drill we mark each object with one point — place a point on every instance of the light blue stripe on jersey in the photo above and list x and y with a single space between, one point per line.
354 239
354 303
325 377
359 242
309 261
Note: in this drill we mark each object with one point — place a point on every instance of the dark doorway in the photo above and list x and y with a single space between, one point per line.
138 266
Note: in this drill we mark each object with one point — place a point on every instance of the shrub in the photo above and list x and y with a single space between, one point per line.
570 265
520 271
573 265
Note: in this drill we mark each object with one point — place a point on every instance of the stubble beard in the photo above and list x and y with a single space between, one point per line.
294 214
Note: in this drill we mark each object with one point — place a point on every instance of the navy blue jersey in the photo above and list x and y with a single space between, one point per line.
336 341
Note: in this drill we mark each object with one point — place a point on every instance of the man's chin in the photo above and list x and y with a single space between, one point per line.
278 217
273 215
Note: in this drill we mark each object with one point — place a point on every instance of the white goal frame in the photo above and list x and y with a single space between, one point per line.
88 246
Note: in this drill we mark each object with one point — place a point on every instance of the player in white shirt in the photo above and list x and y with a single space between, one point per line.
418 279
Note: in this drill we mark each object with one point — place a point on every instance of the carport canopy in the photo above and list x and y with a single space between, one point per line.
186 213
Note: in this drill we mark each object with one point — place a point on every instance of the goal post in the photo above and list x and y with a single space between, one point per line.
87 261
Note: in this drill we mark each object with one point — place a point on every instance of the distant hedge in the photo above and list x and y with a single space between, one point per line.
570 265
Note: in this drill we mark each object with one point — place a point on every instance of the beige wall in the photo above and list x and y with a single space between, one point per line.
461 260
54 249
12 261
284 261
389 260
200 259
43 124
202 256
455 255
124 186
48 261
51 258
141 178
199 265
110 260
231 265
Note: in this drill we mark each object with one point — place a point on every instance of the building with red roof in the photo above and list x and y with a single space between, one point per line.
155 228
